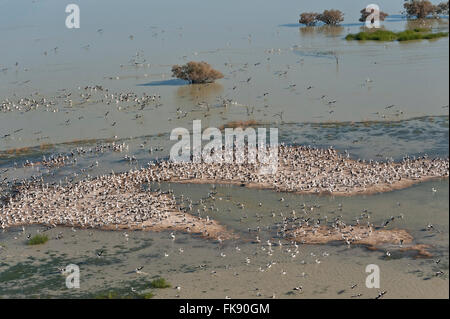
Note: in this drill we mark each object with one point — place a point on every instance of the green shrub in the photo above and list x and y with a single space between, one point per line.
378 35
160 283
422 29
385 35
38 240
435 35
148 295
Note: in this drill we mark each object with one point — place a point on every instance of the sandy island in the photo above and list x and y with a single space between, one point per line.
373 238
109 202
120 201
306 170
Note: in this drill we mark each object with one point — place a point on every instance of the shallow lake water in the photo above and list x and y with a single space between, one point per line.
201 270
133 52
378 100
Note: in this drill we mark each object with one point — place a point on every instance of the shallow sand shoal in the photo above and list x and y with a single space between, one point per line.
110 202
371 190
360 235
306 170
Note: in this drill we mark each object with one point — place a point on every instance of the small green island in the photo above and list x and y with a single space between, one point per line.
386 35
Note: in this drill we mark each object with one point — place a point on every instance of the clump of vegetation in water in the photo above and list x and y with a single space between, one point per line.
160 283
196 72
38 240
419 35
424 8
441 8
308 18
330 17
147 295
365 14
418 8
385 35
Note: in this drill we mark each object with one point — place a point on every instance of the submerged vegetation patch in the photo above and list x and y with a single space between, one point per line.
386 35
31 278
38 240
135 289
160 283
118 295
